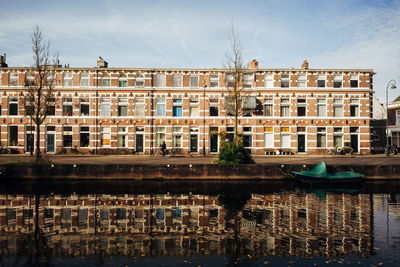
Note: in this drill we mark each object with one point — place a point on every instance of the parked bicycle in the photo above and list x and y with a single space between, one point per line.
335 151
4 150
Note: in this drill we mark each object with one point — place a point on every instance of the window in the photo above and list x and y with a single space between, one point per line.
67 136
139 80
337 108
285 80
248 105
29 108
338 136
105 136
177 136
13 79
321 107
51 108
214 104
160 135
67 106
51 81
247 137
397 117
177 81
354 81
122 106
105 107
194 81
84 136
123 81
285 137
354 107
268 107
84 79
285 107
248 80
139 107
268 137
321 80
321 137
230 133
214 80
84 106
269 80
160 106
301 107
30 79
122 136
229 106
13 106
160 80
105 80
337 81
193 107
301 80
12 135
230 81
67 80
177 108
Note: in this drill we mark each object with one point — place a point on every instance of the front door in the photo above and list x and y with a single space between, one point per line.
139 143
50 143
354 142
301 143
30 142
193 142
213 143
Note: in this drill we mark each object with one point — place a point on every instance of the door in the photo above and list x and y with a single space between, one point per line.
301 143
213 143
50 143
30 142
139 143
193 142
354 142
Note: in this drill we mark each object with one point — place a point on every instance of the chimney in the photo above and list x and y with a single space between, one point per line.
3 61
101 63
304 65
253 64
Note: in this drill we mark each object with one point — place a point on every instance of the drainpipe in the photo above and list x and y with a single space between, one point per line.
97 109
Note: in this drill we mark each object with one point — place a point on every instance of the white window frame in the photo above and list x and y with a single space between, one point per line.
214 80
355 102
105 107
160 80
194 84
269 80
67 79
269 137
321 102
285 105
105 134
337 106
160 135
177 80
123 102
177 134
160 103
122 131
140 107
84 79
13 79
302 80
193 105
139 81
284 136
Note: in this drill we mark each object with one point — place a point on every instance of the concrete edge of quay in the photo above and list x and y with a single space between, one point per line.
271 171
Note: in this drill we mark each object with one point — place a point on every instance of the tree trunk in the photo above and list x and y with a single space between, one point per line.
37 141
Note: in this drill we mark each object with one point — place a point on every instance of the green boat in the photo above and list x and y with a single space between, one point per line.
320 175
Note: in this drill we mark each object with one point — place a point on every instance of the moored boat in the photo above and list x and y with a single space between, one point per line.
320 175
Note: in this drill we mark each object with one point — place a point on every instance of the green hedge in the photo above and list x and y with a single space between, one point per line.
232 154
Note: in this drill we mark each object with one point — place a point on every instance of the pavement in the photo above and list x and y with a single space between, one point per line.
183 160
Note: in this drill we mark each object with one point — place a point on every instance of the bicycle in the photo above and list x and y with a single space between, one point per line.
335 151
159 153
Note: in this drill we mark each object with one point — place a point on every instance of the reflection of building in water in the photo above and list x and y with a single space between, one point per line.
281 224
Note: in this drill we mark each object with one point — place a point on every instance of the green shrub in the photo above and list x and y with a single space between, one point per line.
232 154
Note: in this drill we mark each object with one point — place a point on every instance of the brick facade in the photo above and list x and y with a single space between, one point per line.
185 118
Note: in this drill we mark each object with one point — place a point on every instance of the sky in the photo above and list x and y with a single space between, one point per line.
196 34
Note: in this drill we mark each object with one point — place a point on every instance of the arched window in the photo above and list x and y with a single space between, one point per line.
105 80
139 80
123 81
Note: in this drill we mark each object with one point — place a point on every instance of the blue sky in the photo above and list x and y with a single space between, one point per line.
195 34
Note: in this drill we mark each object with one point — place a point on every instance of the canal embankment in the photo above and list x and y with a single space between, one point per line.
186 168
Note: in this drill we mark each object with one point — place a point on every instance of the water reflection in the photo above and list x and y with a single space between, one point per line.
282 224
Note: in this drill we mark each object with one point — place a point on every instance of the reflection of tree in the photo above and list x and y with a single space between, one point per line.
233 204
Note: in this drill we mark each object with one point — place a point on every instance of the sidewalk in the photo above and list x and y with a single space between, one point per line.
184 160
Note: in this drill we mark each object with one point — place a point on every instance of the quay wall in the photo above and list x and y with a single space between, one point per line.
190 171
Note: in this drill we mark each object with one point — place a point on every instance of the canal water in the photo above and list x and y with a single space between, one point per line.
156 223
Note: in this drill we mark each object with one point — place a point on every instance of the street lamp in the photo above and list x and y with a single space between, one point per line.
393 86
204 120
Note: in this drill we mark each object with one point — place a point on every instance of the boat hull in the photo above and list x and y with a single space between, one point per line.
315 179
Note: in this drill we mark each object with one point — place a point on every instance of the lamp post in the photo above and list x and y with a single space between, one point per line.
204 120
393 86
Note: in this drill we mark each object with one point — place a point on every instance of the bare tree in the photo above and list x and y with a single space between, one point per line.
236 74
39 84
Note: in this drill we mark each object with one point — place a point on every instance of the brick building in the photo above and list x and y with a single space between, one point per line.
104 110
393 117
